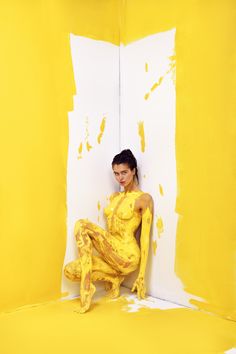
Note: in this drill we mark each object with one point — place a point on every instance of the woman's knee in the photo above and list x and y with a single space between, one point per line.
79 226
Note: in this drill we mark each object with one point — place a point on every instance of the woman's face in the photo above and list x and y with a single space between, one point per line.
123 174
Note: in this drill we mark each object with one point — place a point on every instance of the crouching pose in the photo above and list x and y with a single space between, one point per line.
119 252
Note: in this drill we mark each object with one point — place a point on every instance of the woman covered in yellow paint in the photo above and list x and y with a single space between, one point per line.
119 252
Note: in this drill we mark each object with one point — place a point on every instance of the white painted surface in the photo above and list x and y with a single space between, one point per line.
157 163
90 179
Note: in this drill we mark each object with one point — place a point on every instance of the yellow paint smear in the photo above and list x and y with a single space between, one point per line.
88 146
180 330
102 128
146 96
142 135
146 67
99 206
161 190
160 226
154 247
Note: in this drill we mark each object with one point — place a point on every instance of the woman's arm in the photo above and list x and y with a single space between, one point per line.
146 207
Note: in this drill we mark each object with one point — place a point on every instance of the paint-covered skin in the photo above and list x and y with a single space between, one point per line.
119 252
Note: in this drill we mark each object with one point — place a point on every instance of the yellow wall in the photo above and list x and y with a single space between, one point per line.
36 94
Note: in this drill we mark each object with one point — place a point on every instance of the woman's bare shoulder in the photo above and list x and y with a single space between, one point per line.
113 195
146 200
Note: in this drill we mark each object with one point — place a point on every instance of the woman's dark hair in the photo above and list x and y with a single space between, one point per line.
126 156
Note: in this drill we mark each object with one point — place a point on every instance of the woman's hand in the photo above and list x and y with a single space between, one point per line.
139 286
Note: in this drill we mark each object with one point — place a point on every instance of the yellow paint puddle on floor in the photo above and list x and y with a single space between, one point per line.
109 328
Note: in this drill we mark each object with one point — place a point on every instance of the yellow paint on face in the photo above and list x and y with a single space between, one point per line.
160 226
154 247
161 190
142 135
102 128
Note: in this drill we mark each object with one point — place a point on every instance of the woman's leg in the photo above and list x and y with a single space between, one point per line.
106 245
100 271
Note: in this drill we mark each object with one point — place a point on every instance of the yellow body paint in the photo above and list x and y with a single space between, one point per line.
160 226
119 253
142 135
102 128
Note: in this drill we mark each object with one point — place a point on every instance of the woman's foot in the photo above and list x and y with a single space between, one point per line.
114 290
85 300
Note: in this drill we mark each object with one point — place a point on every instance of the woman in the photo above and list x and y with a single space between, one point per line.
119 253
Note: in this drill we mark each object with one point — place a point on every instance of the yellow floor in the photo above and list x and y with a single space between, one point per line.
109 327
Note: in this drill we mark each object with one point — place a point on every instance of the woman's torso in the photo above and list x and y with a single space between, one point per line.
122 218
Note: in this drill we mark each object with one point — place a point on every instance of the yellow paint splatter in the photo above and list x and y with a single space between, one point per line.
154 247
157 84
102 128
80 149
161 190
146 67
99 206
88 146
142 135
160 226
172 67
147 96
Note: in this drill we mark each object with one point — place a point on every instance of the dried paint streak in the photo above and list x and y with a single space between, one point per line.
88 146
146 67
161 190
80 149
147 96
102 128
172 68
142 135
160 226
157 84
154 247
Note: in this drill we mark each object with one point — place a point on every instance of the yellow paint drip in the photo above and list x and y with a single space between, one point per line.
160 226
142 135
116 248
99 206
102 128
88 146
161 190
146 96
154 247
146 67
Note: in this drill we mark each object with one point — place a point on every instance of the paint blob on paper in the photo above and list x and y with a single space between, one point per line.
141 135
102 128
